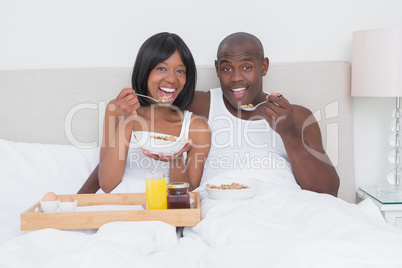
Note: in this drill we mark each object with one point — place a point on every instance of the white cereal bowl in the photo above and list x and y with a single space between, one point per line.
240 194
157 146
49 206
67 206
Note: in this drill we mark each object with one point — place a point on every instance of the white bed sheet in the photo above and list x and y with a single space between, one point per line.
279 227
282 226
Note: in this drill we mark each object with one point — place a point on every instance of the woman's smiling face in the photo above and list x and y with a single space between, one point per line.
167 79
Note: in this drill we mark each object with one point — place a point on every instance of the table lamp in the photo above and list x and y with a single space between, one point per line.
377 72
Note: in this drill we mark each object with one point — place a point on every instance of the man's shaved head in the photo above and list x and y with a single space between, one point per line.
240 39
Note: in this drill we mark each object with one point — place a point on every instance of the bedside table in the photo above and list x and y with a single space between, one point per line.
388 199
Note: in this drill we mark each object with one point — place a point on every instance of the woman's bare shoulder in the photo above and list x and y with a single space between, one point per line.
198 122
199 131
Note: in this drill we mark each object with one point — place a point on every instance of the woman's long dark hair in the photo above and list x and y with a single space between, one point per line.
156 49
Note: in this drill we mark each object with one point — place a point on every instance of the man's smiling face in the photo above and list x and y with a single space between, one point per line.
240 67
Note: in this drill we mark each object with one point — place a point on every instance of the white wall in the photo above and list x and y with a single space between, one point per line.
79 33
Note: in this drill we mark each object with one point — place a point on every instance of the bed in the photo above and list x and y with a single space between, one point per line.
49 141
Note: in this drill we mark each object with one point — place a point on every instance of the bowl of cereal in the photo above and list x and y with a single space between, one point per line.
232 190
157 143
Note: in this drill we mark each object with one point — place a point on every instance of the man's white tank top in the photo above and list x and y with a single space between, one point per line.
138 164
243 148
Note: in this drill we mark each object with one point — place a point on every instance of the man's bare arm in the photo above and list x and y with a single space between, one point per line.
200 105
311 165
301 136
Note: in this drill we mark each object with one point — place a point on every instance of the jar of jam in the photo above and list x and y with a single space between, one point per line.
178 195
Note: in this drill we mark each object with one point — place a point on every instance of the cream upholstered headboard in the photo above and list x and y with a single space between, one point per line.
66 106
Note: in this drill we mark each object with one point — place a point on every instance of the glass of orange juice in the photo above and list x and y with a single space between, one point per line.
156 190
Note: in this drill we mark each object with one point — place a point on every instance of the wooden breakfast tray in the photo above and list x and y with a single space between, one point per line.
34 218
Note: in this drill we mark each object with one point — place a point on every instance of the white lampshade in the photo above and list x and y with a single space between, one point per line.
377 63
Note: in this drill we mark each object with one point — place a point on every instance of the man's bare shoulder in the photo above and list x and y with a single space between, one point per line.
201 103
301 113
301 109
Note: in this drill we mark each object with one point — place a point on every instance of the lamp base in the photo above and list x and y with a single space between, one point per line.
395 172
390 193
394 175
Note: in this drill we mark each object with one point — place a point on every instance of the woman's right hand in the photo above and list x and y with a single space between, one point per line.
127 102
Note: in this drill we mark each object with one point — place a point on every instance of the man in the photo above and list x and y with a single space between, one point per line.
240 66
276 137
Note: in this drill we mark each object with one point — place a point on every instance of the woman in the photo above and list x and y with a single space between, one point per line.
164 68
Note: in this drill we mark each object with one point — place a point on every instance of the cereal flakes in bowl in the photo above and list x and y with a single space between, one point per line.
235 190
159 143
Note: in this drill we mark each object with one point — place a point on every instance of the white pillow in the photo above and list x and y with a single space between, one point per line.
29 170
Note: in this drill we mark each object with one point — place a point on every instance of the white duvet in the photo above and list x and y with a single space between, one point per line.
294 228
281 226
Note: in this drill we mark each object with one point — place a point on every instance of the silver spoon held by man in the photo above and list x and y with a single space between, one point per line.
250 107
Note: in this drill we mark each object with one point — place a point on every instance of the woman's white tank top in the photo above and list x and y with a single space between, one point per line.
242 147
138 164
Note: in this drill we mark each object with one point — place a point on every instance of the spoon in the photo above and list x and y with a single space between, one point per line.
255 107
161 100
249 109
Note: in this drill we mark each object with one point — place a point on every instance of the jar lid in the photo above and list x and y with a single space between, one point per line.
177 185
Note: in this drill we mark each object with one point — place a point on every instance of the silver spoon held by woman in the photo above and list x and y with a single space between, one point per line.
161 99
